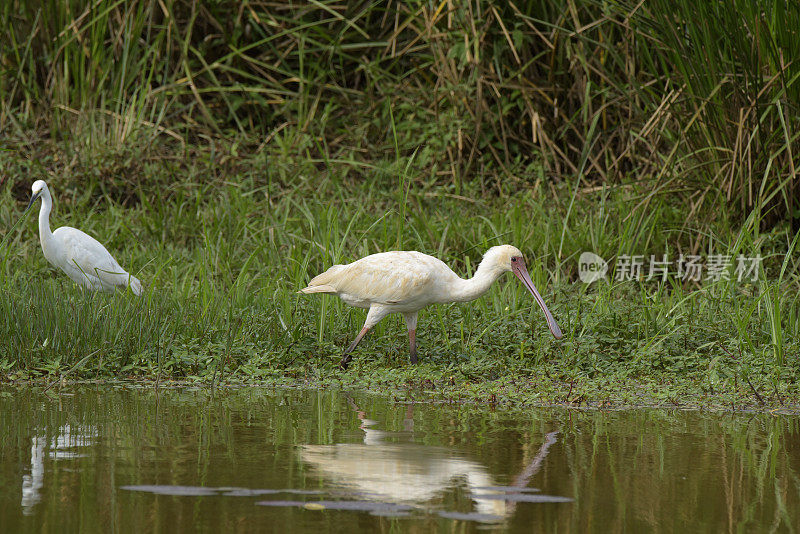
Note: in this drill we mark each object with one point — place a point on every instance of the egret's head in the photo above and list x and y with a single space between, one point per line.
38 188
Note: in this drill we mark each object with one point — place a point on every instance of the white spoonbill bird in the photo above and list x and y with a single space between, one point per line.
80 256
405 282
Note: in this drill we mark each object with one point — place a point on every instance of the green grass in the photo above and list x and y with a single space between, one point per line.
223 259
696 100
225 158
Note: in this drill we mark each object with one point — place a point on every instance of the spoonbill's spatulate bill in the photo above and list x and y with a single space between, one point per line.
80 256
405 282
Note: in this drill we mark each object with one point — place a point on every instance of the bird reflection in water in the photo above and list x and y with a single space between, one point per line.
387 467
64 445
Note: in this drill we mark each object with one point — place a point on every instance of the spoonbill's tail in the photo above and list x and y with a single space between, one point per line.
318 289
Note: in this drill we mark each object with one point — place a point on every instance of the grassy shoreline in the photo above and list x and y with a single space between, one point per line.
226 159
223 261
427 384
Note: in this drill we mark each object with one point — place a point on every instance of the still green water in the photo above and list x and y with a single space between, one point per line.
119 459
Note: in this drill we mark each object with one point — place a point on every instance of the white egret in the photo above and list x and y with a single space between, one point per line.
84 259
405 282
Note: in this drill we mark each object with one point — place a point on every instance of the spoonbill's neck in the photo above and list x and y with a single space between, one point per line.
472 288
45 235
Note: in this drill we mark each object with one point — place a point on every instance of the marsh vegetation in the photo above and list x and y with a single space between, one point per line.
225 152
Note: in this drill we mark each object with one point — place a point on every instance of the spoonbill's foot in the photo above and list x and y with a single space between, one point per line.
345 362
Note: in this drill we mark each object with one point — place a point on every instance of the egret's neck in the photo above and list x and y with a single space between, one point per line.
45 235
479 284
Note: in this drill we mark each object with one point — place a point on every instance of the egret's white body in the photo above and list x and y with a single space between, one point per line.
84 259
407 281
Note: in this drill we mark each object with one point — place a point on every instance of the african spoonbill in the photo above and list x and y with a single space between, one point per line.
407 281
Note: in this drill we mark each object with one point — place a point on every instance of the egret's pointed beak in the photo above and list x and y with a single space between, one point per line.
33 199
521 272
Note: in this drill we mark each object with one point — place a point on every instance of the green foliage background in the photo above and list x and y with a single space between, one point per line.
698 99
227 151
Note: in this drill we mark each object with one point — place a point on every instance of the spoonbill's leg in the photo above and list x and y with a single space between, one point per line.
375 314
411 324
346 357
412 342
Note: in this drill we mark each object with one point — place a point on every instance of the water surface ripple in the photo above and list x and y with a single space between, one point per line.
123 459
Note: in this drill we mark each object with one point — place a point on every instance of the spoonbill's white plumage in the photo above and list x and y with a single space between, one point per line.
84 259
407 281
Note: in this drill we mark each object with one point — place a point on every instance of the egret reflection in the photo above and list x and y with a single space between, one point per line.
64 445
32 482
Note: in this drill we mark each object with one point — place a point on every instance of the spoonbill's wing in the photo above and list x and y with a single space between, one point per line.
386 278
